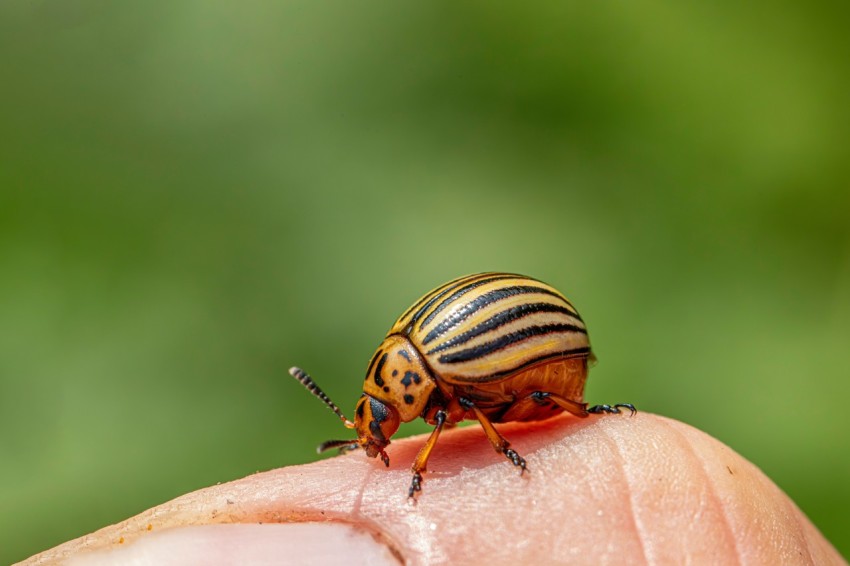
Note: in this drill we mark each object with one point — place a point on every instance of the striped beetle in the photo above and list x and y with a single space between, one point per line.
494 347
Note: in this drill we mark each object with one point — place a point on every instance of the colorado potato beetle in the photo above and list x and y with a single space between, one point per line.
493 347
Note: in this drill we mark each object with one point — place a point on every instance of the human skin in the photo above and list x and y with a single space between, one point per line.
609 489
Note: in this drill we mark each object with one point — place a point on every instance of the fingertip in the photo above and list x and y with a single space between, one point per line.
288 543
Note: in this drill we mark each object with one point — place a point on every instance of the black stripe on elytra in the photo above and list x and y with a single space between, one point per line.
462 291
433 292
433 298
504 341
479 303
505 317
379 381
410 377
421 300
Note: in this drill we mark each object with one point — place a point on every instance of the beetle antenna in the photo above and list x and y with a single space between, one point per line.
343 445
311 386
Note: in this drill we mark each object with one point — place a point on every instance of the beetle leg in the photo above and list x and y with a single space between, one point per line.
615 409
578 409
421 462
498 441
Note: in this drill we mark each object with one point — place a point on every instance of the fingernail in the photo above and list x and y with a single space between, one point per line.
286 543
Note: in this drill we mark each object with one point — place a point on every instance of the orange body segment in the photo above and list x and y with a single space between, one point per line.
398 376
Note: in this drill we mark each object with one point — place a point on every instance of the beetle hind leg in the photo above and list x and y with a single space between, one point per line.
574 407
501 445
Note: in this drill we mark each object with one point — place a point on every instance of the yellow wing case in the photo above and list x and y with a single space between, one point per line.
489 326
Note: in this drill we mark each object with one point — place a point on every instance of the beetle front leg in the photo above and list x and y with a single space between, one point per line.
421 462
498 441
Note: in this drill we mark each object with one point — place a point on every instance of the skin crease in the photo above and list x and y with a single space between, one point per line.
603 490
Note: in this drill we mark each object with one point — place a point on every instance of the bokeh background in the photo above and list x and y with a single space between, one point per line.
195 196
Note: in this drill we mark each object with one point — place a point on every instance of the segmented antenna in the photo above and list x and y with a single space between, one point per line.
343 445
311 386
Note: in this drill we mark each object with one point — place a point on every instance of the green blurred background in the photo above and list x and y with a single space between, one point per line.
196 195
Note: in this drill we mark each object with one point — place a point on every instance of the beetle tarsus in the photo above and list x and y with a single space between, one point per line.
385 459
516 459
415 485
612 409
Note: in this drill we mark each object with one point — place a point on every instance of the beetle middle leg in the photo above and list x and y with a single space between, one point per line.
581 409
498 441
421 461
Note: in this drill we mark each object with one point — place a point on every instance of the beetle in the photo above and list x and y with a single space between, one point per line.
491 347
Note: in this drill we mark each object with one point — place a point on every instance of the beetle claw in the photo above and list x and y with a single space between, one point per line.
385 458
516 459
415 485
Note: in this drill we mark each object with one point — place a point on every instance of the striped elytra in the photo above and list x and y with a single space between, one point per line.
488 326
493 347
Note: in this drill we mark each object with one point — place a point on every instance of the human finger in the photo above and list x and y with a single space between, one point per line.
641 490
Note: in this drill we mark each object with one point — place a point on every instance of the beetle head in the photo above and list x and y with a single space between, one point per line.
375 422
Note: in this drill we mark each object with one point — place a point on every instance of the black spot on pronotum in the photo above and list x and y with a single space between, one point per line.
395 372
404 354
379 381
409 399
360 408
386 389
411 377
